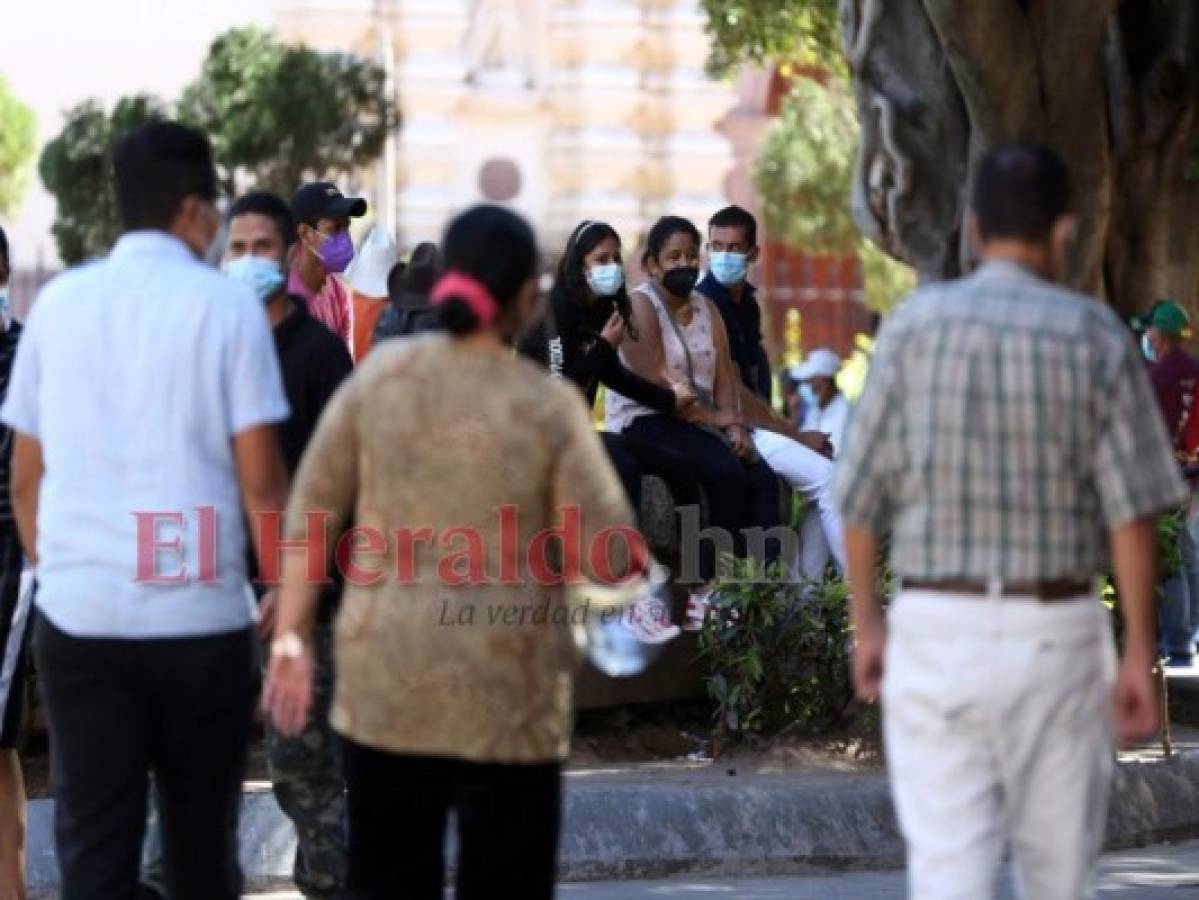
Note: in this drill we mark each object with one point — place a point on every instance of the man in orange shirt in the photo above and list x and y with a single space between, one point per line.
368 277
323 216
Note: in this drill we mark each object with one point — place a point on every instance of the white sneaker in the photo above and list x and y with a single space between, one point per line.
699 605
649 621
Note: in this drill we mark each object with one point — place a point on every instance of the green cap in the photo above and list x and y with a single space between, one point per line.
1167 317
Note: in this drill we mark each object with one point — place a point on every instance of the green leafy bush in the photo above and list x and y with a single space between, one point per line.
776 653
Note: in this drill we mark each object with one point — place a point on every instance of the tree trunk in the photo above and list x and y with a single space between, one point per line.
1113 87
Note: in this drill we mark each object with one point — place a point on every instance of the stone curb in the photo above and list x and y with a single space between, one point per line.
644 826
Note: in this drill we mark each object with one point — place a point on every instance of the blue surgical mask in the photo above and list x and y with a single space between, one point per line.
605 279
729 268
808 395
1147 348
262 275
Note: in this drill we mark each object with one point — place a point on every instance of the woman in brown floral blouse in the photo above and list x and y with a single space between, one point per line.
453 642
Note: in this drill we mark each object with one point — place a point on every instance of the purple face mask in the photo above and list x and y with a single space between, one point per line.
336 252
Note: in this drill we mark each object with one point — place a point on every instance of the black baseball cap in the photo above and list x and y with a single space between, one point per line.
322 200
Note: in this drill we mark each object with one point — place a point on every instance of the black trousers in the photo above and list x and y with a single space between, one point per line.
740 495
121 709
632 458
508 819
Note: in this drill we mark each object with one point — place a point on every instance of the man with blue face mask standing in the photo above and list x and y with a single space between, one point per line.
143 405
322 215
305 769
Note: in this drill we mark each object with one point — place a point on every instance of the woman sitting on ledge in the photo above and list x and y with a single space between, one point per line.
681 338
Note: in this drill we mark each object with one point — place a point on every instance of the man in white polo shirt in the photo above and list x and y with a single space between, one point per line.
144 398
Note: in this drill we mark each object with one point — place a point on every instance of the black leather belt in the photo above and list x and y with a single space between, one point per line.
1053 589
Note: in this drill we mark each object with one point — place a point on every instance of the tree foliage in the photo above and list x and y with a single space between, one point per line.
276 115
1112 86
801 32
279 114
17 136
803 176
76 168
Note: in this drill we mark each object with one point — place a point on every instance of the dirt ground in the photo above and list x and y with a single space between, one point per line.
670 732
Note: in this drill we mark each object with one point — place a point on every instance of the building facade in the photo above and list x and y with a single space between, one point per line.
563 109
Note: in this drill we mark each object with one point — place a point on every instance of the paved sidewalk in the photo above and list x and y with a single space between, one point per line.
1156 873
655 821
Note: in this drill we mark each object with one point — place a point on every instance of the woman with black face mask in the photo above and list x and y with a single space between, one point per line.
682 338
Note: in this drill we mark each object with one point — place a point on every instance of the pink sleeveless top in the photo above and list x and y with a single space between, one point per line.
619 410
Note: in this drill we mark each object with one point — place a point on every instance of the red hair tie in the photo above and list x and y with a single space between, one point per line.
470 290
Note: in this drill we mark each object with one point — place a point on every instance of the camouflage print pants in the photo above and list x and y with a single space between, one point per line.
307 777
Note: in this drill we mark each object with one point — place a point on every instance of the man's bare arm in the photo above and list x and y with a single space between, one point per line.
261 476
758 414
1134 560
865 612
26 485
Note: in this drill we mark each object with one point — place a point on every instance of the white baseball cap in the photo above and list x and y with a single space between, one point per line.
819 364
373 263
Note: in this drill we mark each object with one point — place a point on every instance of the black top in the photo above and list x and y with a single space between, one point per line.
8 352
567 341
314 362
743 323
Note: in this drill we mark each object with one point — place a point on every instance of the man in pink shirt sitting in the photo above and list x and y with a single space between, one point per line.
323 215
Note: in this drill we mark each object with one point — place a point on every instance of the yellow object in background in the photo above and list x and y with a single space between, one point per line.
855 369
793 339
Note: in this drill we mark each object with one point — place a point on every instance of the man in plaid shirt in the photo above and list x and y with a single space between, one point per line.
1007 440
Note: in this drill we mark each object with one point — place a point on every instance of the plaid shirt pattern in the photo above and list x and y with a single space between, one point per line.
1006 426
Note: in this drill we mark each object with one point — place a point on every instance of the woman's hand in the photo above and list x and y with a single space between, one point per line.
738 439
684 396
613 331
287 696
817 441
727 418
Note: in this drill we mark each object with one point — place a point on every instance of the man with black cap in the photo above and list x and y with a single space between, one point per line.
1174 374
323 215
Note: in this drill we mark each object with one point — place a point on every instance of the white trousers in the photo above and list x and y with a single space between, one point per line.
812 475
998 727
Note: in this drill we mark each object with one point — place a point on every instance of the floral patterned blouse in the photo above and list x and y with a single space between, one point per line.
453 460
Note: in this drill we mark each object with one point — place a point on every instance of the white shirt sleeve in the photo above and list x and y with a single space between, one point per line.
811 420
253 383
21 405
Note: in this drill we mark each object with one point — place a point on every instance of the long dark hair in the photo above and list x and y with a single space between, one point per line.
494 246
570 283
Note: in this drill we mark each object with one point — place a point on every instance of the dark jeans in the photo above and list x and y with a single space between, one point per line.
1179 612
508 817
121 709
740 495
632 458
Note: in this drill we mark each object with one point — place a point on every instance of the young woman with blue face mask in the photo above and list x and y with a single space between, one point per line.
578 338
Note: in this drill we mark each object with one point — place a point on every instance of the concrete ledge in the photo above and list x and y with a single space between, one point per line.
1154 800
656 822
